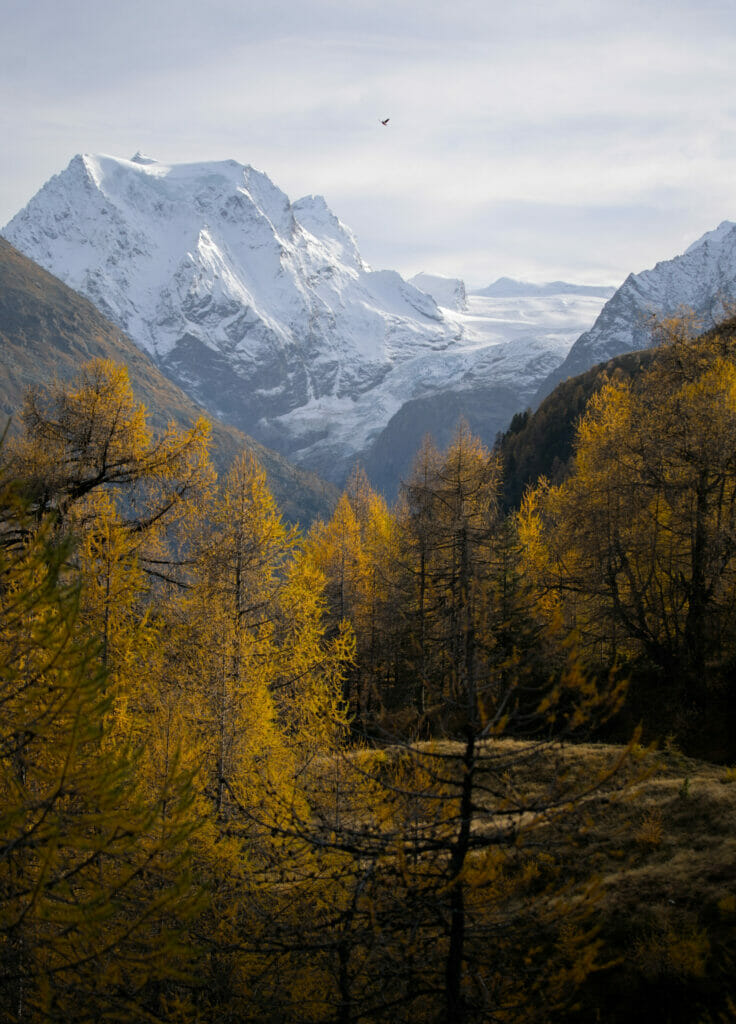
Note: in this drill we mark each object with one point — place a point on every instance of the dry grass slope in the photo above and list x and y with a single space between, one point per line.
664 849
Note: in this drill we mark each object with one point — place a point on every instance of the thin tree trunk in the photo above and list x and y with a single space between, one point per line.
456 1010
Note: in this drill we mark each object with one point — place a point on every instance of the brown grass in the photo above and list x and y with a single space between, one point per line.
660 835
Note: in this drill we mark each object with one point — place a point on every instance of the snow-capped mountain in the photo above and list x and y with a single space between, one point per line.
264 312
446 291
702 280
508 287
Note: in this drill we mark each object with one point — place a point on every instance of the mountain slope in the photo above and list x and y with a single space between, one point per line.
540 443
263 311
702 279
47 331
487 407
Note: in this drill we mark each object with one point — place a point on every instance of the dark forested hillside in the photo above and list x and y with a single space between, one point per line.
540 443
47 331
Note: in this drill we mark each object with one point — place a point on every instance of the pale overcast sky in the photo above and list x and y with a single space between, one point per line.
543 139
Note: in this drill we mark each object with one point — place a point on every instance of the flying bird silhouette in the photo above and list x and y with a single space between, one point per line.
384 123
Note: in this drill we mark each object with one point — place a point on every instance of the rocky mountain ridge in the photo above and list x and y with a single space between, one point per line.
702 281
509 287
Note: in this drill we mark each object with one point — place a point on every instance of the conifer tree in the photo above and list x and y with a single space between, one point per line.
263 693
636 547
450 523
357 551
93 434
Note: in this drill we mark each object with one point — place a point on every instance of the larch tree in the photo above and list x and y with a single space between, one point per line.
357 552
264 685
450 522
108 499
636 548
234 589
94 885
93 433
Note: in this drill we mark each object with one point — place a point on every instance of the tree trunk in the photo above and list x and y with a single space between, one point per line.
456 1010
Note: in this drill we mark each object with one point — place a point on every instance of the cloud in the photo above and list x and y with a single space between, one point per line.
573 135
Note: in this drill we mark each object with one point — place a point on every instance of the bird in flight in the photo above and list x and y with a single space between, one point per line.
384 123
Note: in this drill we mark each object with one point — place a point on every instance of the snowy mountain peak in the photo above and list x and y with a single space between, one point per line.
263 311
715 237
314 215
701 280
141 158
208 185
257 306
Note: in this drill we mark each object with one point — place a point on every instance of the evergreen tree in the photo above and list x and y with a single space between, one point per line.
636 547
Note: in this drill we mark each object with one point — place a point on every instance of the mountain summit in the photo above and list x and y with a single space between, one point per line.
259 307
264 312
702 279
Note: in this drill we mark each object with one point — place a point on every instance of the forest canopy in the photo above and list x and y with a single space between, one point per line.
250 775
